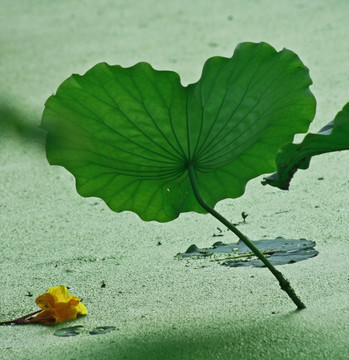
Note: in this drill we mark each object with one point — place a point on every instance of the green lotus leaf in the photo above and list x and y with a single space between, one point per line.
333 137
129 135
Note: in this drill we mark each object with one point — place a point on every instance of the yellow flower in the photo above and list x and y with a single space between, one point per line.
57 305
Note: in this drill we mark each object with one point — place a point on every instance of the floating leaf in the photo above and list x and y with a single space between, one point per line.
130 135
69 331
333 137
102 330
278 251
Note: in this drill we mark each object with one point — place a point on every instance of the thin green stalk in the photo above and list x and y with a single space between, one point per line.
284 283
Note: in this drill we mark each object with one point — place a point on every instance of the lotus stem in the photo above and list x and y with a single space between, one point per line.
284 283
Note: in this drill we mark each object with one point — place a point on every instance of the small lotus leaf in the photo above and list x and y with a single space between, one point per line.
333 137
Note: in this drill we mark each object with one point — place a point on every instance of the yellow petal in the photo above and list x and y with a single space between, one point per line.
60 293
81 309
45 301
65 312
73 300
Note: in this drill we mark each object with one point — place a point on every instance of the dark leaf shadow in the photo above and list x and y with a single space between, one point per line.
13 125
260 339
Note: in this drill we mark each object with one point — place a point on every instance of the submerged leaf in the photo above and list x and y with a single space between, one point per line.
128 135
68 331
102 330
333 137
279 251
